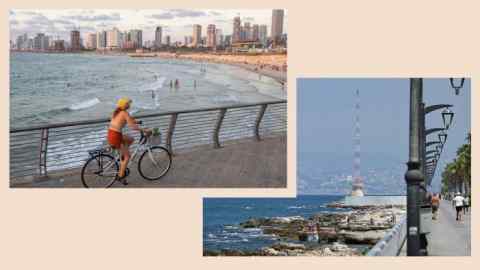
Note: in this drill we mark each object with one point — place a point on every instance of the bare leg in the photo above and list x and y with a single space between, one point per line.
124 150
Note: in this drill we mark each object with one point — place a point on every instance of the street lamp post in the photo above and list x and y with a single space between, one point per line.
414 176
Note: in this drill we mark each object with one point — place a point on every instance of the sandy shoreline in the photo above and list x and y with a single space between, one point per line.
274 66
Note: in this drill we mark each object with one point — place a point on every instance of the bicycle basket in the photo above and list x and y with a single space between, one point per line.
155 139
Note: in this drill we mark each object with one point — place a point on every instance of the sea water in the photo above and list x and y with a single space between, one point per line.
55 88
222 218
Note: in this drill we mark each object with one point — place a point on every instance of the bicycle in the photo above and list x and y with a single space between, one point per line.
103 164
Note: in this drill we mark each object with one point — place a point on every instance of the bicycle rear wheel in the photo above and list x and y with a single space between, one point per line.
154 163
99 171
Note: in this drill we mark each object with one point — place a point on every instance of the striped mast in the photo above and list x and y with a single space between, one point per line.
357 187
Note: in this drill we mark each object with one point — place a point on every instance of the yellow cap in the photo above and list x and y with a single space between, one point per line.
123 103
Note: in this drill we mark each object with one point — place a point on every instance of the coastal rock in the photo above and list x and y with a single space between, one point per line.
362 237
288 246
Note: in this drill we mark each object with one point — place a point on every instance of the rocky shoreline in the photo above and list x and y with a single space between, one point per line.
349 233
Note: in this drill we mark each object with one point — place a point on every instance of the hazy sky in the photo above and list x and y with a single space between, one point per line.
175 22
326 116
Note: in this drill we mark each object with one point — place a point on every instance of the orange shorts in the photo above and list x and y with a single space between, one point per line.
114 138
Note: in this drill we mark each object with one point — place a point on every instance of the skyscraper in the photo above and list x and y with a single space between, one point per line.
248 31
158 37
237 25
91 41
75 40
211 40
218 37
262 34
101 39
357 186
167 41
255 32
113 38
136 37
197 35
277 25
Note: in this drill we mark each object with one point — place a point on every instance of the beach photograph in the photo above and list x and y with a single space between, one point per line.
161 98
383 169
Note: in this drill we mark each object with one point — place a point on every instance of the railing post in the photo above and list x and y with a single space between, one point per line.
216 132
259 120
43 152
171 128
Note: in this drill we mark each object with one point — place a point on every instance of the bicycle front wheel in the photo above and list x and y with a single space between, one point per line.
154 163
99 171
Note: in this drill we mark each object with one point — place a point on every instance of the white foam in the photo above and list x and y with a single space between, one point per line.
84 104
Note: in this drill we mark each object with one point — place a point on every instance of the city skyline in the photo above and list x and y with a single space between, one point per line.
176 23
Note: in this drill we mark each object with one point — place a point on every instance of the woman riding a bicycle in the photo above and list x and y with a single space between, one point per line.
118 140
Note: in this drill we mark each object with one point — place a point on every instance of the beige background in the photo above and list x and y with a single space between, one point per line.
162 228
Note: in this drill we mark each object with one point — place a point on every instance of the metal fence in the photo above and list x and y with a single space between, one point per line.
37 151
393 242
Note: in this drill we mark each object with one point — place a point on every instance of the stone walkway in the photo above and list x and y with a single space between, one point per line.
245 164
450 237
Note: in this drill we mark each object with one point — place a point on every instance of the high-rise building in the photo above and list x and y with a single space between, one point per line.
248 31
59 45
211 40
75 40
101 40
40 42
158 37
255 32
197 35
167 40
136 37
19 43
113 39
262 34
218 37
91 41
227 41
237 25
277 24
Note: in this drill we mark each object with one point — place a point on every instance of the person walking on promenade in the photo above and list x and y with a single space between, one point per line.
466 204
458 201
435 204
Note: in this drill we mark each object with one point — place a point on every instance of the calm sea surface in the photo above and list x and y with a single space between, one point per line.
53 88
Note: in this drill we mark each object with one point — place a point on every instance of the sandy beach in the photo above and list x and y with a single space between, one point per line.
271 65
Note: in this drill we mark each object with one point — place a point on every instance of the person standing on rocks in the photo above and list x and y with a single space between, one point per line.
458 201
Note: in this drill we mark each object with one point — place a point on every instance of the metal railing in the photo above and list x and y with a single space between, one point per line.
37 151
392 243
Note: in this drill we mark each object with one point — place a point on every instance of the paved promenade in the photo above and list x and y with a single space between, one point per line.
244 164
450 237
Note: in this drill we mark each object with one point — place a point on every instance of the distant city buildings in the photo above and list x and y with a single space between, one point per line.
277 25
211 39
197 35
243 38
113 39
91 41
101 40
75 40
158 37
167 41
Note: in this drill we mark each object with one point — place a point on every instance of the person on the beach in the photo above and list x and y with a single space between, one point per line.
458 200
435 204
171 84
176 83
194 84
119 141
